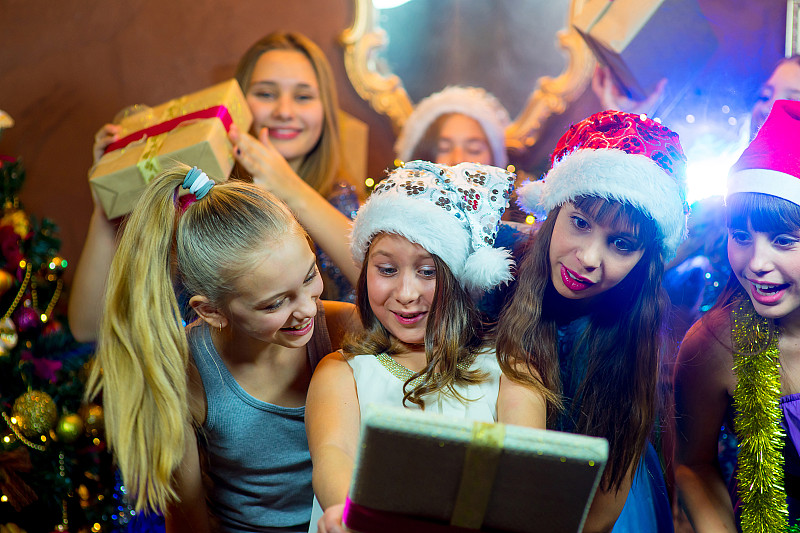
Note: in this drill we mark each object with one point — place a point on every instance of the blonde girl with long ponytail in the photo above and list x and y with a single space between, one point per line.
173 394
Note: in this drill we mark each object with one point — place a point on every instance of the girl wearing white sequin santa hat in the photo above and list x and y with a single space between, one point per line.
424 240
586 311
456 125
742 356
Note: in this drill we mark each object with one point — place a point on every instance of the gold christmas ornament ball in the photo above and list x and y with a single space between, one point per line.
69 428
92 415
35 412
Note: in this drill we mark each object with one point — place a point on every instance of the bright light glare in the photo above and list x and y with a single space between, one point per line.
708 177
710 156
388 4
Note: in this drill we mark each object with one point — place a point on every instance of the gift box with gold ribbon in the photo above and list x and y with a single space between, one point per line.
423 472
644 41
191 129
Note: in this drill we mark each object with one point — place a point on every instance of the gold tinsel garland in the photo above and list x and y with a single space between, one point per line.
758 421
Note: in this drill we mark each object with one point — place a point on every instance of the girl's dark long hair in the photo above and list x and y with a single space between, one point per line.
617 398
452 336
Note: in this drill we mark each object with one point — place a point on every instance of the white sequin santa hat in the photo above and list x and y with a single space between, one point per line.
473 102
771 162
618 156
452 212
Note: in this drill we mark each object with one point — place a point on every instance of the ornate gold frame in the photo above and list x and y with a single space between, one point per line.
385 92
792 27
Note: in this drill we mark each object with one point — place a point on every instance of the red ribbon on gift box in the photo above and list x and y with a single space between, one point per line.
221 112
367 520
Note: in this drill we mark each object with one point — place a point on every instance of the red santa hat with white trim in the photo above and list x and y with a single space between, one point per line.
621 157
771 163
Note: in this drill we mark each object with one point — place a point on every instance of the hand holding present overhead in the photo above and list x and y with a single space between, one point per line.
191 129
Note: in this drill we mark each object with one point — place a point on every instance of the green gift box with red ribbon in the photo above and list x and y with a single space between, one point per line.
191 129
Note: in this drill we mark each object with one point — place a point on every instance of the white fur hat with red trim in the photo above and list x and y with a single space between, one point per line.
453 212
623 157
771 162
473 102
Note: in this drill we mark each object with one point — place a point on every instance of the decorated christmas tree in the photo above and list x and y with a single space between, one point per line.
55 472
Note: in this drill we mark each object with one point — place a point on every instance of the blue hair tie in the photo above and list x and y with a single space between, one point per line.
197 182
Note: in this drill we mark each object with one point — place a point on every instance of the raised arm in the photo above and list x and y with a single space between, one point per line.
703 379
327 226
89 283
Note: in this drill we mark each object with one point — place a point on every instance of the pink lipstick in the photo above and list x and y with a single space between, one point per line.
283 134
573 281
408 319
767 293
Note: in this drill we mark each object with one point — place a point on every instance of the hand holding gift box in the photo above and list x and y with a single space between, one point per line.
191 129
644 41
424 472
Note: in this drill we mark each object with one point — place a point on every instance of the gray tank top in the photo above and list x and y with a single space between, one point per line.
255 453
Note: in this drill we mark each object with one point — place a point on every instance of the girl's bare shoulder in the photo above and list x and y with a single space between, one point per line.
707 347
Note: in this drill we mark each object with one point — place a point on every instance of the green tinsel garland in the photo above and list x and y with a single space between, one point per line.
758 422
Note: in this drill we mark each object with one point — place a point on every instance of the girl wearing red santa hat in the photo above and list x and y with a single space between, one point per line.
587 308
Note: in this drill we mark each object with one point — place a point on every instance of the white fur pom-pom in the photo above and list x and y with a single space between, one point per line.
486 268
529 196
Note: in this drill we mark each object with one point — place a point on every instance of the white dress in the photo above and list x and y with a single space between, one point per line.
379 380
